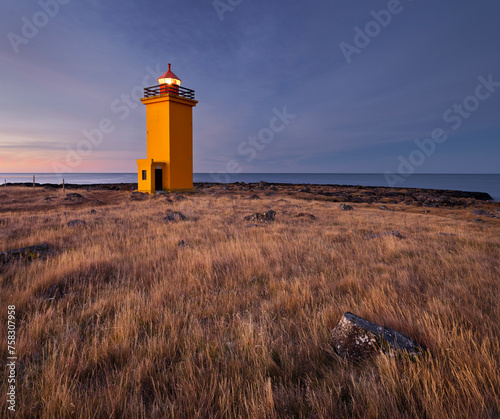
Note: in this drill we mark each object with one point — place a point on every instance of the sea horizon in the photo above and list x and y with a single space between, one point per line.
470 182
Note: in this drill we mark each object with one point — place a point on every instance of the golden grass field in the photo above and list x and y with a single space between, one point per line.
122 322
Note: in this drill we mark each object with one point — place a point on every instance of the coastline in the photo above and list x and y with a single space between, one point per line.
347 193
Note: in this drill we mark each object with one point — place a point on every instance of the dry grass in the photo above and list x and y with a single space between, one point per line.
122 322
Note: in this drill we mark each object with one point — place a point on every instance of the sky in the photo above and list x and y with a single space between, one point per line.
380 86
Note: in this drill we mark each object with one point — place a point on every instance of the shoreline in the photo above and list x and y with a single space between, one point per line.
326 190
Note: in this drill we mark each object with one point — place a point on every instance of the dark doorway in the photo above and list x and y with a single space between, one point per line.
158 179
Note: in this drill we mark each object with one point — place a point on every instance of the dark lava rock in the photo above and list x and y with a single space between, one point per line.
262 216
77 223
345 207
40 251
479 220
306 215
174 216
481 212
448 234
93 211
254 196
182 243
384 208
73 195
394 233
356 339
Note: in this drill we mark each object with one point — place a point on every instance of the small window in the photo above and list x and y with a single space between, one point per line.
144 175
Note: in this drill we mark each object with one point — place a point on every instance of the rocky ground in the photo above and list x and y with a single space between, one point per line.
431 198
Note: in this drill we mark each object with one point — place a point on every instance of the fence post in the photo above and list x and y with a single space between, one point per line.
64 189
33 181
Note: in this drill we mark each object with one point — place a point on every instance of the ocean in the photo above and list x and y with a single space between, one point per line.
461 182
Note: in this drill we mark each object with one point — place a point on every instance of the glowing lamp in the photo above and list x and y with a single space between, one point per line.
169 78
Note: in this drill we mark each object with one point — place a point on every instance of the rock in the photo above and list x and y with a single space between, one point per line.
48 198
267 216
355 339
305 189
345 207
77 223
481 212
306 215
448 234
40 251
169 201
427 211
479 220
384 208
182 243
93 211
394 233
174 216
254 196
73 195
263 184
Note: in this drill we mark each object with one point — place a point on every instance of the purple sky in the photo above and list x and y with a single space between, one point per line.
365 84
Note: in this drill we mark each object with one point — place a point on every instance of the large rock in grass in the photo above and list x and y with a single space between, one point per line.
356 339
267 216
345 207
40 251
174 216
481 212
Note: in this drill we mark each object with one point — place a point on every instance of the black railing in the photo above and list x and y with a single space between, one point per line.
169 89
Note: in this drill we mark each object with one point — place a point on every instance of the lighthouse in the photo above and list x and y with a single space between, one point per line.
169 120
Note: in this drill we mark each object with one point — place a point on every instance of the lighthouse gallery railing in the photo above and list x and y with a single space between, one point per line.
166 89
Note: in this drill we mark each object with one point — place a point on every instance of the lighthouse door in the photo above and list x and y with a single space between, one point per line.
158 179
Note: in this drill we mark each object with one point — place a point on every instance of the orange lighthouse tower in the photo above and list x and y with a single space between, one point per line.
169 119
